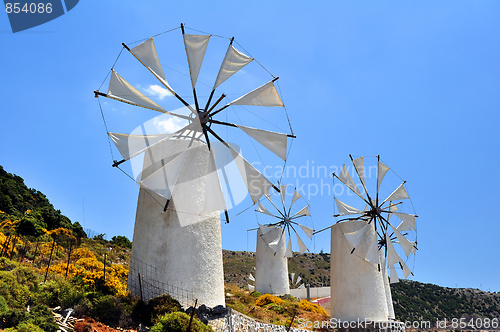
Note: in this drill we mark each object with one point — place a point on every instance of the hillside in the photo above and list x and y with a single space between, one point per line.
30 209
312 268
412 300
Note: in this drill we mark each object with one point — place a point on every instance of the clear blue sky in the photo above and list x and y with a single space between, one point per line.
416 82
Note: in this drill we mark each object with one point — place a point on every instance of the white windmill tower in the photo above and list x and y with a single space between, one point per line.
273 249
363 244
177 234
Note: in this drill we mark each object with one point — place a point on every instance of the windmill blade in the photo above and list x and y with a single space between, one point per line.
195 45
360 168
302 246
301 286
233 61
146 53
266 229
276 244
381 171
265 95
121 90
289 250
132 145
392 208
257 184
307 230
303 212
292 276
398 194
392 255
394 275
251 288
163 180
273 141
403 242
408 221
283 193
251 277
214 197
268 196
406 270
296 196
298 280
345 209
272 237
364 243
346 178
262 209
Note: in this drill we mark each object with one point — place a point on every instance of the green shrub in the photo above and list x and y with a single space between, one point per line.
59 292
6 264
150 313
42 316
25 327
107 309
17 295
276 308
255 294
39 316
161 305
178 322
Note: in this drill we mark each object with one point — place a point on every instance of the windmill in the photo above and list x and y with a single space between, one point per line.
368 241
296 283
273 248
177 229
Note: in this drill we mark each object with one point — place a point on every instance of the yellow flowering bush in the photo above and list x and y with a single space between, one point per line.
82 252
266 299
308 306
91 272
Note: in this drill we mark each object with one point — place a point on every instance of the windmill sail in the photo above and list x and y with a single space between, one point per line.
398 194
381 171
275 142
360 168
346 178
265 95
146 53
196 46
345 209
122 90
232 63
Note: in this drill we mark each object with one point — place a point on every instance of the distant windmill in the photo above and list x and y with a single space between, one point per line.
363 244
273 248
296 283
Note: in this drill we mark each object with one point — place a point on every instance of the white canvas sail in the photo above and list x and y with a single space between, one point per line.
265 95
196 46
146 53
233 61
122 90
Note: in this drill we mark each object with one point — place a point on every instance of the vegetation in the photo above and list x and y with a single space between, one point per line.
178 322
30 210
272 309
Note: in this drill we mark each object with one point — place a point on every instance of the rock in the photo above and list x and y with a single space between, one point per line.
219 310
202 309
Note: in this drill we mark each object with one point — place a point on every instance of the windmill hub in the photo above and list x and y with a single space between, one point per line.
204 118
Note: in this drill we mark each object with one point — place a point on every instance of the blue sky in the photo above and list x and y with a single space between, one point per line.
416 82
